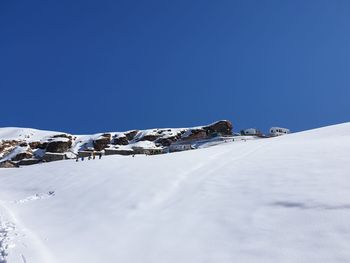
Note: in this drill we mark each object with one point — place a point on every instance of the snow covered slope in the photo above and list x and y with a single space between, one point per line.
284 199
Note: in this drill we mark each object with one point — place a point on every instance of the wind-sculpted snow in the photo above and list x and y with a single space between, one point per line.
278 200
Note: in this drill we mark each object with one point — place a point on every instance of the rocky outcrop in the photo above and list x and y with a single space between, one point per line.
120 140
58 146
118 152
130 135
102 142
50 157
196 134
222 127
22 155
149 137
28 161
8 164
167 141
8 143
6 146
38 145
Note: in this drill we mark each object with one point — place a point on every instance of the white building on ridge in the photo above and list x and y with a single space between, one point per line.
277 131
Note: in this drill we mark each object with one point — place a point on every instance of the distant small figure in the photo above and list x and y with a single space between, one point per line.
89 158
99 155
93 155
77 159
133 155
82 158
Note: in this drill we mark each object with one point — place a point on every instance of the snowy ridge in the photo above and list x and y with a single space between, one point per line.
28 134
20 146
283 199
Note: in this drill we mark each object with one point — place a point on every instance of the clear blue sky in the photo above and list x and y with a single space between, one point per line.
89 66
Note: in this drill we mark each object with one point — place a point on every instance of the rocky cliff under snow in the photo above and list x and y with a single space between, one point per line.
24 146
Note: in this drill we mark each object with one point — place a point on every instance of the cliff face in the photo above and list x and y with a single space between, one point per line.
28 146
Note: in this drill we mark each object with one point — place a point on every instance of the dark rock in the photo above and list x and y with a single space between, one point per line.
164 141
149 137
101 143
131 135
28 161
167 141
38 145
121 140
222 127
118 152
58 146
21 156
8 164
50 157
197 134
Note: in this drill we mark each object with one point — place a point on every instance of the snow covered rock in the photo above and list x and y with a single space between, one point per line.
8 164
196 134
32 145
6 146
130 135
102 142
18 153
149 137
120 140
38 145
58 145
167 141
22 155
223 127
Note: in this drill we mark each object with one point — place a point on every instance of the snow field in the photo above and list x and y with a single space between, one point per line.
277 200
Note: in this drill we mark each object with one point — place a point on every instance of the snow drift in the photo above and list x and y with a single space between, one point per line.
282 199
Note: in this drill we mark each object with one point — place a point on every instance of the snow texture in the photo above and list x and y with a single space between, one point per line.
283 199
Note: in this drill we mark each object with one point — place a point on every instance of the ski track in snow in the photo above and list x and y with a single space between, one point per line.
7 234
165 197
35 197
277 200
12 234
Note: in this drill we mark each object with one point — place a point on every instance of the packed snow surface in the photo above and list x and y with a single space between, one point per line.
284 199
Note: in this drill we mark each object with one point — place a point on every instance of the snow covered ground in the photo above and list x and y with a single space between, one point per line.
284 199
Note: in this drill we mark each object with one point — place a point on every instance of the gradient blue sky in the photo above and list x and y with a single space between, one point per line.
89 66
